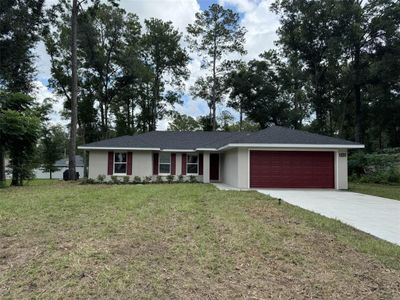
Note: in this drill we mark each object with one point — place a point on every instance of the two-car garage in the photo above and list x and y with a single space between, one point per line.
292 169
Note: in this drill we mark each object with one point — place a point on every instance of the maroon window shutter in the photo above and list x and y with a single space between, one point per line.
173 164
183 163
129 162
155 163
200 164
110 165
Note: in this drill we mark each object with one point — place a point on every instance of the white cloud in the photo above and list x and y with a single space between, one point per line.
41 93
261 25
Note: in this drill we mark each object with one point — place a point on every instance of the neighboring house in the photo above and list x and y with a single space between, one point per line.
275 157
62 165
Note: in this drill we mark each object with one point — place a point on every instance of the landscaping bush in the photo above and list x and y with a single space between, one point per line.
170 178
147 179
101 178
374 167
192 179
180 178
137 179
114 179
125 179
159 179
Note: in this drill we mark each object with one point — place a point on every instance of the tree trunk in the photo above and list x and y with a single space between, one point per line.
74 92
51 175
2 168
213 94
240 118
358 131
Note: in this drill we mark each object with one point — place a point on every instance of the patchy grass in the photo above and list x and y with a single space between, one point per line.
65 240
381 190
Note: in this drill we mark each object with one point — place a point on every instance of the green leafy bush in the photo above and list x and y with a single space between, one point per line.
180 178
159 179
125 179
101 178
374 167
147 179
192 179
137 179
114 179
170 178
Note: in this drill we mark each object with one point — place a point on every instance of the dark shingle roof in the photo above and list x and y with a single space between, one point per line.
216 139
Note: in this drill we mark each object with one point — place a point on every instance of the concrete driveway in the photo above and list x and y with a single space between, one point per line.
375 215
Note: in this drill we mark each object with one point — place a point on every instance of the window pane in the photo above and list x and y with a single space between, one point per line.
165 158
120 157
164 168
120 168
192 169
192 159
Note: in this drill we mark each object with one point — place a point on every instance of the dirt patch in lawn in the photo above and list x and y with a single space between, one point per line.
182 242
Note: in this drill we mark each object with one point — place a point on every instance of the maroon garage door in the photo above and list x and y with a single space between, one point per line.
291 169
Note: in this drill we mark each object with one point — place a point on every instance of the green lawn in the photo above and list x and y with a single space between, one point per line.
63 240
381 190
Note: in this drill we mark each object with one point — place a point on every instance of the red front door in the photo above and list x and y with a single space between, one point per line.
214 166
291 169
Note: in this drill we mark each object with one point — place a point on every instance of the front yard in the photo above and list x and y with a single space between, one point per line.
381 190
63 240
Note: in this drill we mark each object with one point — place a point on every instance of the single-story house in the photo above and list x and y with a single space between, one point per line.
62 165
276 157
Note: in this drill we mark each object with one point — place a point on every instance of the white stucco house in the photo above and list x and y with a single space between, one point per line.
276 157
62 165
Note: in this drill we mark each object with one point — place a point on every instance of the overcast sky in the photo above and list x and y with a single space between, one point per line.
260 22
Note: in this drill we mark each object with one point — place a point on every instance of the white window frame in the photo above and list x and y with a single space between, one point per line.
187 164
120 163
159 163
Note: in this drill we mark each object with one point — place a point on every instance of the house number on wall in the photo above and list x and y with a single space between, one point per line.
343 154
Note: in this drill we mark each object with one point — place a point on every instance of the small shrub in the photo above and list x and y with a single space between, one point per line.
137 179
159 179
147 179
101 178
192 179
170 178
180 178
125 179
114 179
393 176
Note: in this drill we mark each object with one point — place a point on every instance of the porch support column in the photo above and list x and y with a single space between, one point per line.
206 167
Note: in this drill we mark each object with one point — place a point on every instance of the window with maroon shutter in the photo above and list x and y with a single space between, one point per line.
192 164
110 164
129 167
120 163
173 164
183 163
200 164
164 160
155 163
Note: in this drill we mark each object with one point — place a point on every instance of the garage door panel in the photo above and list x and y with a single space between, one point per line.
291 169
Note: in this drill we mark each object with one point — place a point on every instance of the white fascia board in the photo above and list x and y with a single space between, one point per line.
206 149
117 148
177 150
311 146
